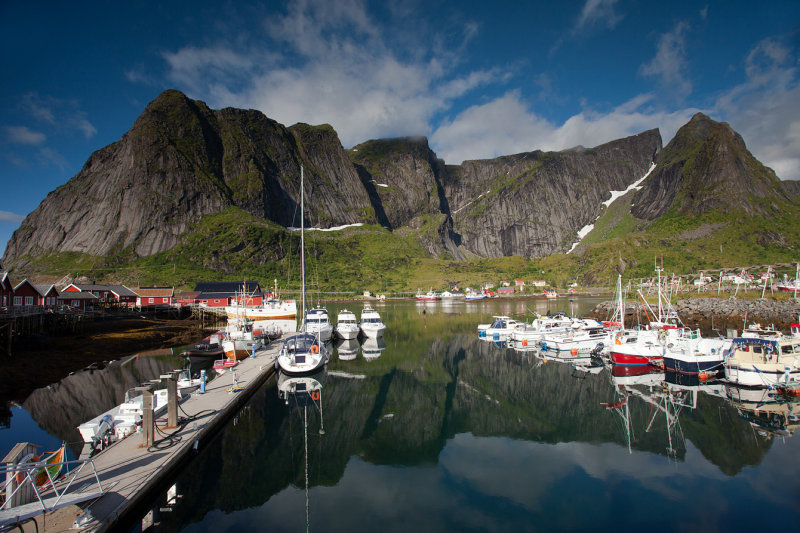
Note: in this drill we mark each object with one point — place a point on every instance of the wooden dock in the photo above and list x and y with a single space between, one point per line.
131 474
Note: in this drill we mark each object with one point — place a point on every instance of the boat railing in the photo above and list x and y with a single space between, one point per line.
51 491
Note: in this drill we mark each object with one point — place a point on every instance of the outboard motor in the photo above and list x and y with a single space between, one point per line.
597 350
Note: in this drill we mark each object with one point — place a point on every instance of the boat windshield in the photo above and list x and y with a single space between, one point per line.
299 343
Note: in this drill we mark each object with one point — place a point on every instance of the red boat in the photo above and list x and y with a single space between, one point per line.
224 364
622 371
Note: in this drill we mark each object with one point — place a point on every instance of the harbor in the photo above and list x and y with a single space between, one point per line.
432 404
128 470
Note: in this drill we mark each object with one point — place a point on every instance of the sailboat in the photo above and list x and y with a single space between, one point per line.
304 352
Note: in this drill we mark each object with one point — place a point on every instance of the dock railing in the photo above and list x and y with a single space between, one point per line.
51 492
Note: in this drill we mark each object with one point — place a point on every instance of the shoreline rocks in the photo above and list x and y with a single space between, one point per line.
718 314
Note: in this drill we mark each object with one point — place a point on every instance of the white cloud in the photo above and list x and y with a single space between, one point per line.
24 135
669 64
339 67
7 216
765 109
507 125
598 13
57 114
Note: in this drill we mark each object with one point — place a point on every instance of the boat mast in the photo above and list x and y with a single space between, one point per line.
302 249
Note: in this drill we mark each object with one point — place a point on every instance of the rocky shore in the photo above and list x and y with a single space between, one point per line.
40 361
717 314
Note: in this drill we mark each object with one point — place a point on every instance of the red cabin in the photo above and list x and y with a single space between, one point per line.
154 296
49 295
6 290
80 301
27 295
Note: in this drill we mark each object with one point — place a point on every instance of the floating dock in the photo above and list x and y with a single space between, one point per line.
130 473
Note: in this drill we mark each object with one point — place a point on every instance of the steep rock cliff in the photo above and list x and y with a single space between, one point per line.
180 161
534 203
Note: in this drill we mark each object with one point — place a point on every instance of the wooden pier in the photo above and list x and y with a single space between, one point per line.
131 473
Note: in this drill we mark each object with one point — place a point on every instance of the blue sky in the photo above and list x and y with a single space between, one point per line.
479 79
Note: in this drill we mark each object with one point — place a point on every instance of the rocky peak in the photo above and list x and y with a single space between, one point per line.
705 167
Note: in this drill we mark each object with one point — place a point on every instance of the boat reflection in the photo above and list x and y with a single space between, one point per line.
373 348
770 414
347 349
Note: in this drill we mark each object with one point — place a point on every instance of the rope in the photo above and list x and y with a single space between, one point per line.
305 443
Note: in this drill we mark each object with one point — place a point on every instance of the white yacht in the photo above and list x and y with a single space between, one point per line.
317 323
346 325
371 323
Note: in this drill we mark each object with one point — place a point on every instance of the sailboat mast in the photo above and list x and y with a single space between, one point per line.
302 248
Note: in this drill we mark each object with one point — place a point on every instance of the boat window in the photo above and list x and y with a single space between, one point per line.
757 349
786 349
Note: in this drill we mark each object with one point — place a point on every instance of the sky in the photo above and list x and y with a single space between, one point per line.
479 79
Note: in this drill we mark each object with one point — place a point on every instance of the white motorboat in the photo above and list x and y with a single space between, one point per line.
501 328
305 352
575 341
533 332
692 354
318 323
371 323
495 319
346 325
123 419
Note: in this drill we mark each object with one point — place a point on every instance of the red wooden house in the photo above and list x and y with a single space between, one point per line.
49 295
106 294
27 295
6 290
81 301
154 296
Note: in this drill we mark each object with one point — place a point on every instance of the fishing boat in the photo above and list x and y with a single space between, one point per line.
240 340
550 294
346 325
304 352
430 296
482 328
763 362
371 324
270 309
692 354
576 341
473 296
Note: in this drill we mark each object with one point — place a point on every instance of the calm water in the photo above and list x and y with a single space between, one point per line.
436 430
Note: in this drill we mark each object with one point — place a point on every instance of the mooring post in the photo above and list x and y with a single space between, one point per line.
171 380
148 420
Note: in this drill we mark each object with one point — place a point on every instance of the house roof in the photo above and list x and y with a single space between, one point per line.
209 295
230 287
77 296
154 292
44 290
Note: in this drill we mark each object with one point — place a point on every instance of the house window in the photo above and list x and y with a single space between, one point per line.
17 300
29 300
150 300
216 301
76 303
163 300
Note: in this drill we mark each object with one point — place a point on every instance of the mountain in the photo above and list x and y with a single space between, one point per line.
214 189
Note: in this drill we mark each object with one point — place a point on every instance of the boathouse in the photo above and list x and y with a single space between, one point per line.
222 293
6 290
154 297
27 295
78 301
107 294
48 296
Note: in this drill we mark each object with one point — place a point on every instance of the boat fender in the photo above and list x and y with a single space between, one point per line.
574 351
315 395
524 342
314 349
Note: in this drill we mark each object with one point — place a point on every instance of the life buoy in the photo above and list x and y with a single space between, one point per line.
315 395
314 349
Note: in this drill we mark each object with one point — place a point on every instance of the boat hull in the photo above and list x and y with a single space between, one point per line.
628 359
692 365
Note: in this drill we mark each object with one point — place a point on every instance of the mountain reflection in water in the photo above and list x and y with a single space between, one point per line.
444 431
